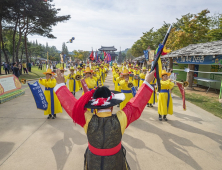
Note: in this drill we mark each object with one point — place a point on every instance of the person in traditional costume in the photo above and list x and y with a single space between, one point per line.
79 73
125 88
102 72
153 98
73 85
54 105
142 75
104 130
165 102
91 83
136 76
63 71
130 70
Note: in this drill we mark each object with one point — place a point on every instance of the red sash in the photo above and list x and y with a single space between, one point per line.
105 152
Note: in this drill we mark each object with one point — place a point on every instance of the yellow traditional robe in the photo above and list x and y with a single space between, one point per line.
73 85
78 81
165 103
136 82
153 98
127 91
49 85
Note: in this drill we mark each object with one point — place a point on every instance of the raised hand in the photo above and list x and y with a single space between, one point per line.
150 76
60 77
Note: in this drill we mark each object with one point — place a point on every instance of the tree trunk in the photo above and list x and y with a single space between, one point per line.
21 57
190 75
3 49
170 63
0 46
18 45
25 38
13 41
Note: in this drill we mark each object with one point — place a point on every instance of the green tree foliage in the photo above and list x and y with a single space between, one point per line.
189 29
82 55
26 17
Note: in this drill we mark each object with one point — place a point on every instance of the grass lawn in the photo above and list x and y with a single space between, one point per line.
210 104
36 73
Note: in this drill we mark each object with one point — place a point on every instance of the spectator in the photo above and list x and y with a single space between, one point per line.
16 70
20 68
6 68
29 66
24 68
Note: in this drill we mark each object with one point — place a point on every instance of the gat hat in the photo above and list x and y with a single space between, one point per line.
144 68
125 72
104 98
71 68
136 66
87 70
49 71
79 66
165 73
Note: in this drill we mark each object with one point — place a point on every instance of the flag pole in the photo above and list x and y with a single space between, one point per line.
158 55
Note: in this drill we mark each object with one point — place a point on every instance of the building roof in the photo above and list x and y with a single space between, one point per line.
111 48
202 49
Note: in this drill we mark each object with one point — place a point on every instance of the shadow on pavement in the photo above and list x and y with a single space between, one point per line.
63 147
172 143
5 148
191 129
188 117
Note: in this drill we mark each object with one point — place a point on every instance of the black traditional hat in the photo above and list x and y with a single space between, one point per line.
104 98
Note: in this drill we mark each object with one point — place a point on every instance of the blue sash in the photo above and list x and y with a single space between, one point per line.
168 100
52 99
143 79
126 91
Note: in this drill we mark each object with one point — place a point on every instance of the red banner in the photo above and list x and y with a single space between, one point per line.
84 86
182 91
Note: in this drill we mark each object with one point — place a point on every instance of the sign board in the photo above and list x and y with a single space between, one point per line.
146 54
9 84
151 55
38 95
212 60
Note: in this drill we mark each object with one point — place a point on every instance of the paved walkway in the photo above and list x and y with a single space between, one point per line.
191 139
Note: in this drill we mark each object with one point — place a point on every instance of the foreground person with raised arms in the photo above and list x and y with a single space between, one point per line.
104 130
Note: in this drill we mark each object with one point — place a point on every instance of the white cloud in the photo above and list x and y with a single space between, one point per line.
118 23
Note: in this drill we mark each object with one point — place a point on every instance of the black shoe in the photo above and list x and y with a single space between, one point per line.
53 117
49 116
148 105
160 118
118 105
164 117
81 88
151 105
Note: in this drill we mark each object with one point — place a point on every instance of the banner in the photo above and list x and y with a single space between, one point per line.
182 91
133 91
39 96
146 54
151 55
84 86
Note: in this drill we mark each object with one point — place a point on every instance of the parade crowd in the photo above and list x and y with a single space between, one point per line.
135 88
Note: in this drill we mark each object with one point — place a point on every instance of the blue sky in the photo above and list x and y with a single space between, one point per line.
117 22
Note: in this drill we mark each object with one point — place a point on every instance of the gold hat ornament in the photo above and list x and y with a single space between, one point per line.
49 71
125 72
87 70
71 68
165 73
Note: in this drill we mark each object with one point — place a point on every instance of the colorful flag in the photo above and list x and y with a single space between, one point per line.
91 56
182 91
102 56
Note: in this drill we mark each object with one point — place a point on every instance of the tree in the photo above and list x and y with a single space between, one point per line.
129 54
